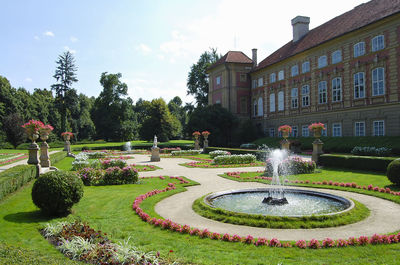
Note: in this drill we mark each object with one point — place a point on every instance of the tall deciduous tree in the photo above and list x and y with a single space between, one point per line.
112 112
197 83
177 110
65 76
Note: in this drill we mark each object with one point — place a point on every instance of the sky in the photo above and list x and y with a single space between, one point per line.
151 43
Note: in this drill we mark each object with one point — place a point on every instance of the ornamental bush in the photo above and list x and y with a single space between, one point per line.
56 192
118 176
216 153
290 166
113 163
371 151
90 176
234 159
186 152
393 171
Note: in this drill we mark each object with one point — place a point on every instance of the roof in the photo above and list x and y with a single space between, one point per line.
232 57
354 19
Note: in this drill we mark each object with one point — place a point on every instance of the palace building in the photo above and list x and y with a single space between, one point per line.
344 73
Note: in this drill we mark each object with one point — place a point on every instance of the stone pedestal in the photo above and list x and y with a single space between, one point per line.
33 153
285 145
196 144
205 144
44 155
317 150
67 146
155 154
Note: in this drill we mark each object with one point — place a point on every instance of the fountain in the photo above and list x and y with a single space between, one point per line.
277 200
127 146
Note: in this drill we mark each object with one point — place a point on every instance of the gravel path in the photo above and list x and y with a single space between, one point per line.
383 218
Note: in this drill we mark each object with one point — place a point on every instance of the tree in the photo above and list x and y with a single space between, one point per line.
197 83
12 126
177 110
215 119
113 114
159 121
65 76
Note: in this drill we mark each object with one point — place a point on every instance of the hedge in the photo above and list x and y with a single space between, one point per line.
55 157
15 177
234 151
137 146
371 163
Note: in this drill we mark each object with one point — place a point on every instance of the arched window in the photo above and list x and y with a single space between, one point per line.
272 102
260 107
281 101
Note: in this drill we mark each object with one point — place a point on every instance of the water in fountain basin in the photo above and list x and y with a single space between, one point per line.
127 146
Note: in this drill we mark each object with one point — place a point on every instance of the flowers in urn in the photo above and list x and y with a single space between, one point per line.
67 135
205 134
285 130
44 131
32 128
317 128
196 134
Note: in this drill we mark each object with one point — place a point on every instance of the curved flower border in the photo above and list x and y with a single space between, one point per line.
168 224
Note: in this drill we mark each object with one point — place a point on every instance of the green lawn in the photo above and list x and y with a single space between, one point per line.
109 208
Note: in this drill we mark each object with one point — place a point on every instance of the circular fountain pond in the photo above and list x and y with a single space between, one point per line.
300 202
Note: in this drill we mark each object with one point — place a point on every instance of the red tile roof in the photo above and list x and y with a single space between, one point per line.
354 19
232 57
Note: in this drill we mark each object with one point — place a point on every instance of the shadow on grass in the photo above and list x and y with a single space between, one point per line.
28 217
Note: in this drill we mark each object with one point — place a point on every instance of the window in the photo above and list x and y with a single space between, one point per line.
359 49
260 107
295 133
359 85
294 98
218 80
336 129
379 128
271 132
336 56
243 105
322 61
281 101
295 70
337 89
324 132
305 132
255 108
218 101
378 43
305 67
322 92
272 78
378 81
243 77
260 82
281 75
305 96
359 128
255 83
272 102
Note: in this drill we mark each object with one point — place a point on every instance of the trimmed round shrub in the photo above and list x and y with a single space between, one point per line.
393 171
56 192
119 176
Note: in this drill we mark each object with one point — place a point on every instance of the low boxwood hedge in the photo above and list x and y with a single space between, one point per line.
233 151
56 157
15 177
378 164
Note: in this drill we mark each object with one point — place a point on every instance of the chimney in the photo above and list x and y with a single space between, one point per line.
300 27
254 57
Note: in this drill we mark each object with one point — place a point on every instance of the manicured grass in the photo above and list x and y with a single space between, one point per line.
141 168
109 208
12 151
358 213
65 164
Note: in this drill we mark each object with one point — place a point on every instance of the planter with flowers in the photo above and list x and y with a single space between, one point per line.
285 130
67 145
196 135
317 129
32 131
44 132
205 135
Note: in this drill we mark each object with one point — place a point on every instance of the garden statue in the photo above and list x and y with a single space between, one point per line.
317 129
205 135
285 130
44 147
67 145
155 151
196 135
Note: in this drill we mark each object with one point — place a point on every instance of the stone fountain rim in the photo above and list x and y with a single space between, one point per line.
347 202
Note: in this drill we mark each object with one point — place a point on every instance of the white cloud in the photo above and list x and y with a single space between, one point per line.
143 48
73 39
28 80
36 37
69 49
48 33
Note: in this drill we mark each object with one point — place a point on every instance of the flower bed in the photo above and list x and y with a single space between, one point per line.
234 159
186 152
113 162
216 153
78 241
290 166
168 150
209 164
109 176
11 158
371 151
141 168
274 242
